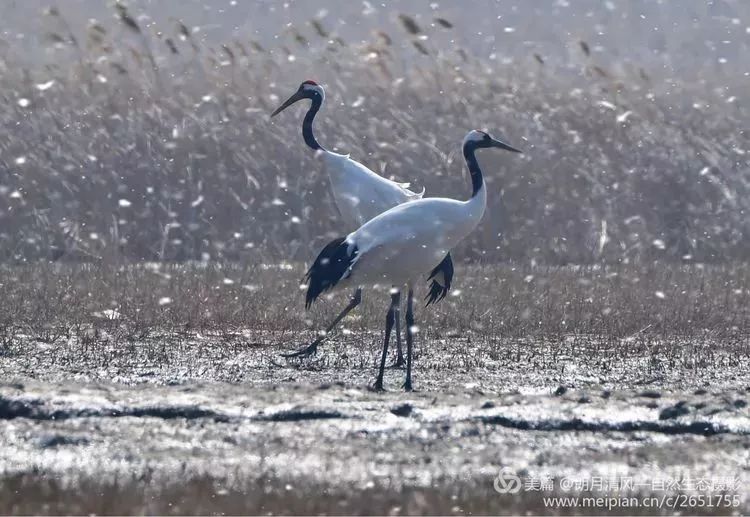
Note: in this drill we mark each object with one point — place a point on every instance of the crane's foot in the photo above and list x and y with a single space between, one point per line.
398 363
303 352
378 386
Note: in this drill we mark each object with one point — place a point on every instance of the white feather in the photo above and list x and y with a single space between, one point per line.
399 246
359 193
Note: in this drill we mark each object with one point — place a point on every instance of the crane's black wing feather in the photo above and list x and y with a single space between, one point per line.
332 264
441 277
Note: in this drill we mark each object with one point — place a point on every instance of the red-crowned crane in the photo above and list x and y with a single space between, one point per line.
360 195
401 245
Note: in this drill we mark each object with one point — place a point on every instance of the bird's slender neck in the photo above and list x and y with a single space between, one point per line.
307 125
478 201
477 181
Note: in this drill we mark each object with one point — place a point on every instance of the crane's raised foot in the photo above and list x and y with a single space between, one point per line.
303 352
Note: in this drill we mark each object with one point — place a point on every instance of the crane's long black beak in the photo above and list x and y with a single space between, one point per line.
503 145
291 100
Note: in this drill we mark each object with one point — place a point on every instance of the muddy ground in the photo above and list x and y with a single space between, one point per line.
220 423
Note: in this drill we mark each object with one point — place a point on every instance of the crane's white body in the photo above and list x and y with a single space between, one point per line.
359 193
402 244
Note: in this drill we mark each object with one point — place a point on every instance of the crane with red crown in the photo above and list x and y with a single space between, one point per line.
360 195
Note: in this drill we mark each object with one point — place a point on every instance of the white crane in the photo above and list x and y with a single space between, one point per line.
400 245
360 195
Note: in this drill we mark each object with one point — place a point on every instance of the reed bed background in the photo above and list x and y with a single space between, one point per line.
132 132
99 309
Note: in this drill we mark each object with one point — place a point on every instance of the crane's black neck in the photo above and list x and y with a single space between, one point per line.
316 101
476 174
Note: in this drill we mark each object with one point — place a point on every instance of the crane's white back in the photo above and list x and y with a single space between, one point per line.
359 193
404 243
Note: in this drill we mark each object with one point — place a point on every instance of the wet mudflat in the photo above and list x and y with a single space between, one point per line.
198 422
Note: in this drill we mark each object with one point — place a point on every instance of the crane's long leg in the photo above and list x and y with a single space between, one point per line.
409 337
399 354
389 320
313 347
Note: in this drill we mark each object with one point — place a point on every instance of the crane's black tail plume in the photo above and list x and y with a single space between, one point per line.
441 277
332 265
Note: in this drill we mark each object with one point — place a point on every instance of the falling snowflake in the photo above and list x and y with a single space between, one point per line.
45 86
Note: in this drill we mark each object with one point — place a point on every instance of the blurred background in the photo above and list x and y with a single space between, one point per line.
140 131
